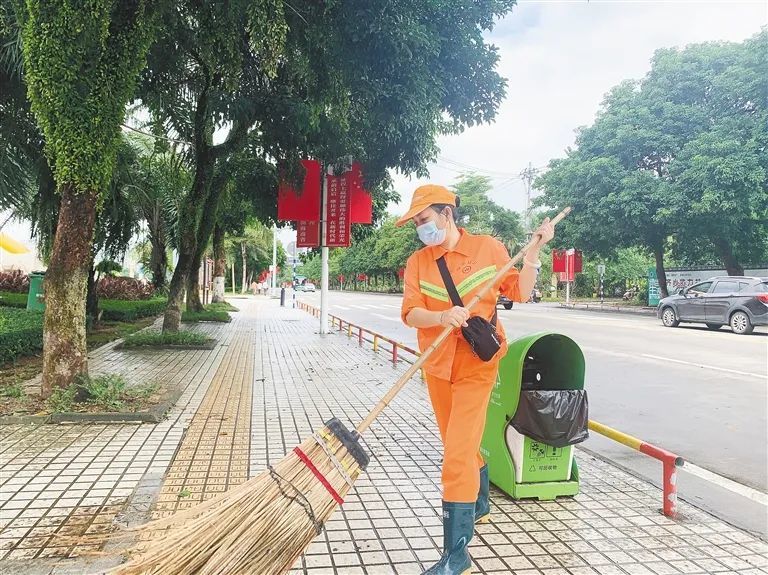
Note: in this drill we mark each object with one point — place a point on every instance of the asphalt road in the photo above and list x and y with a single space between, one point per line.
698 393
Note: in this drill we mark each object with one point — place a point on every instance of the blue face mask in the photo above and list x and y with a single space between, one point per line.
430 234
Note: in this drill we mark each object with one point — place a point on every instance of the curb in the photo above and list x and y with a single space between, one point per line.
602 308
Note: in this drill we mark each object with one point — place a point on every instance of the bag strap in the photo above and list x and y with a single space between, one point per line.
448 281
451 287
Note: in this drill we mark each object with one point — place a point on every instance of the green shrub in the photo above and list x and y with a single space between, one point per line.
142 391
10 299
207 315
160 339
221 306
14 390
123 310
62 398
106 391
21 333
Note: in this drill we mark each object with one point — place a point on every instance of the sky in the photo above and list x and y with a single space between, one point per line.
560 58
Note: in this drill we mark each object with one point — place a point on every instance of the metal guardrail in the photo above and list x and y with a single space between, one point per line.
669 460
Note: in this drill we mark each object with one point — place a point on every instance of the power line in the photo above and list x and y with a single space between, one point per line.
475 168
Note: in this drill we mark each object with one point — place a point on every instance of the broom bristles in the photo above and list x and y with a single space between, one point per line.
260 527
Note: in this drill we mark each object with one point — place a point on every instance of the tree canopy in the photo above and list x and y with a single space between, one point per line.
675 163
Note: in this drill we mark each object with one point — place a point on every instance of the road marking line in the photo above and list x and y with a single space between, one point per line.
725 483
359 306
341 307
386 317
702 366
391 306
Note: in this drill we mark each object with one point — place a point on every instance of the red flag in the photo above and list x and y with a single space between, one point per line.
303 204
578 262
360 198
558 260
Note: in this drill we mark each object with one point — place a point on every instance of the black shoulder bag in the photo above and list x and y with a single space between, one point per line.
479 333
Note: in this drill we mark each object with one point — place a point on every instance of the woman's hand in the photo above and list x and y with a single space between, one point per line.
545 232
454 317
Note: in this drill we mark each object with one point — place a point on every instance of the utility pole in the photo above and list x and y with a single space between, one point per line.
324 255
293 277
274 259
527 176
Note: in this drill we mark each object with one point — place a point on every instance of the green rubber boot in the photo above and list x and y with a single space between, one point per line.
458 528
483 505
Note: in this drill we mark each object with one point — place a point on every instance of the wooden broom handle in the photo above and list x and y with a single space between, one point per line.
395 389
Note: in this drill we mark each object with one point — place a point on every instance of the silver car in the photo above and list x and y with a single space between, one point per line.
738 301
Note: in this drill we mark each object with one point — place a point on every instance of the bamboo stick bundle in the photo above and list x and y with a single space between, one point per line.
262 526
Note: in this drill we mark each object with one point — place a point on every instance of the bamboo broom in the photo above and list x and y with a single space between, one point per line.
262 526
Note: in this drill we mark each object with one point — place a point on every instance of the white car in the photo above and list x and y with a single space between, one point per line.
309 287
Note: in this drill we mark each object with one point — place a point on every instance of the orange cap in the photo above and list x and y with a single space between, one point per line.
425 196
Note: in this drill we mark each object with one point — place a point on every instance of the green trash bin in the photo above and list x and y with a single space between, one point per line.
517 464
36 296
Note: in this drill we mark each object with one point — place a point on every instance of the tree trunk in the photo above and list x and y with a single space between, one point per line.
158 261
725 251
92 296
189 219
219 264
193 291
172 317
234 288
65 354
242 255
661 274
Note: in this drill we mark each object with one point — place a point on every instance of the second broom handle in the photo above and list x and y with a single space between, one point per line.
395 389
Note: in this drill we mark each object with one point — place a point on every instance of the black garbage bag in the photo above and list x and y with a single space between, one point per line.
556 417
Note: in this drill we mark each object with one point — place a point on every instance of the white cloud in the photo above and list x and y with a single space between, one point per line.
560 58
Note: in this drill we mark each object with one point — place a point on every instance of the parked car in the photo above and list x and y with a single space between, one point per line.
309 287
738 301
505 301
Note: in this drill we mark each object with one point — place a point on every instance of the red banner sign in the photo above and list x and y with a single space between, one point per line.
303 204
307 234
360 198
337 213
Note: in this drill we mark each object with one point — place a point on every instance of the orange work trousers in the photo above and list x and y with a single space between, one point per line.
460 406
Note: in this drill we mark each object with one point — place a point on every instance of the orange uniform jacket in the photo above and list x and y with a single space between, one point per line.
472 263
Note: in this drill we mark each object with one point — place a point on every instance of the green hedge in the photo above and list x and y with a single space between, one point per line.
21 333
123 310
114 309
207 315
10 299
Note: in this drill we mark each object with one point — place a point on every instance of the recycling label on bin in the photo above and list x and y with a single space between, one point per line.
542 462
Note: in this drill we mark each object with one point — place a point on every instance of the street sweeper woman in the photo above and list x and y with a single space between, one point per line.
460 374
